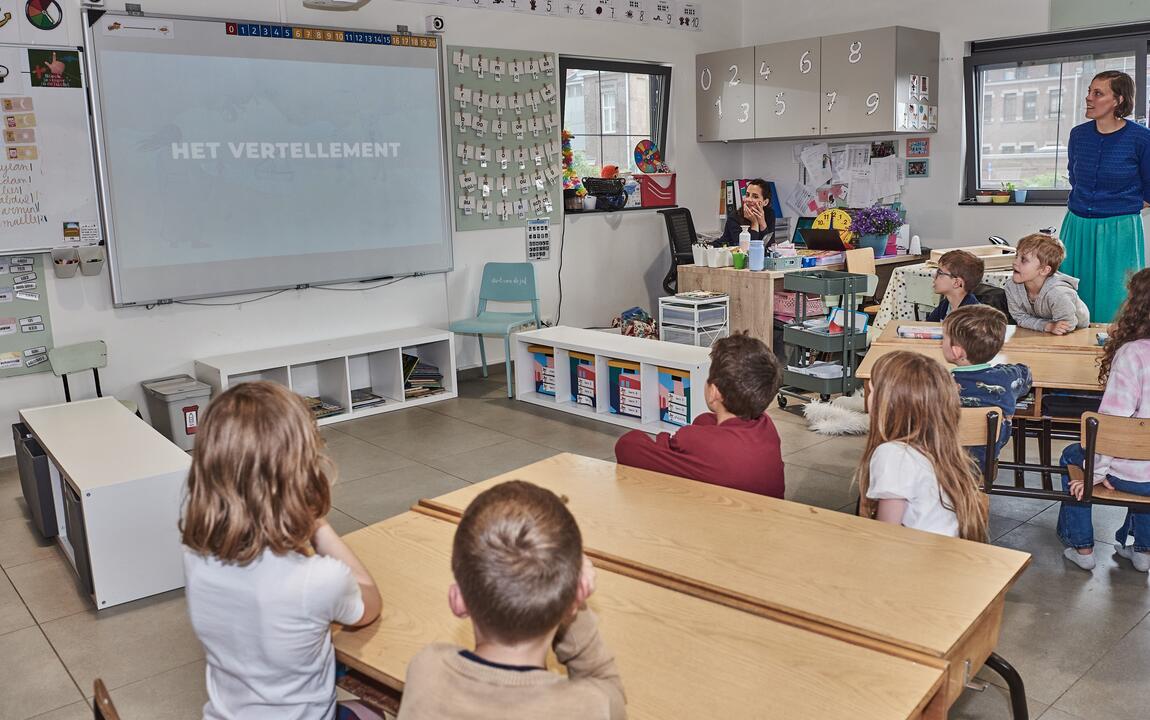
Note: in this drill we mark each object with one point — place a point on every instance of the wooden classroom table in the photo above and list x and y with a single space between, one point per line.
679 656
1049 368
1084 340
914 594
752 294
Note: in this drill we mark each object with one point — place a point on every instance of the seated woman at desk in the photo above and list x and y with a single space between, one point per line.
756 213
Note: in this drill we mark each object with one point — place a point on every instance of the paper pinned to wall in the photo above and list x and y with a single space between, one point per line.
816 162
885 175
803 201
863 192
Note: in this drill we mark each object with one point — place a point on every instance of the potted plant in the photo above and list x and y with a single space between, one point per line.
873 225
1019 195
1003 196
984 196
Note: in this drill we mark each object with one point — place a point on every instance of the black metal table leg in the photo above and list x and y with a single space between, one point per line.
1018 709
1019 449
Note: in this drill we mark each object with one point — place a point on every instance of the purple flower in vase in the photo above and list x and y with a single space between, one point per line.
876 220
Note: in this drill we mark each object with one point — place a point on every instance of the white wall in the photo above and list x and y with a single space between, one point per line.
932 203
604 256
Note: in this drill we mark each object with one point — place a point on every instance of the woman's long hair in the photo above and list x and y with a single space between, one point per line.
1132 322
259 478
914 400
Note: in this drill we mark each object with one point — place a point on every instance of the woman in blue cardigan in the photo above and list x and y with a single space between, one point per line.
1109 163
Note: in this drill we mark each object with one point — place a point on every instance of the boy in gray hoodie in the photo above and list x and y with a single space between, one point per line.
1041 298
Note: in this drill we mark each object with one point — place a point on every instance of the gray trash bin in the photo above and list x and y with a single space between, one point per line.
175 404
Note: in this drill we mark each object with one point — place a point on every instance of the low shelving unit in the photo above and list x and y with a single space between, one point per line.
332 369
670 376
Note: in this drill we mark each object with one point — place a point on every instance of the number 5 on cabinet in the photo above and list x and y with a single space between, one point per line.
787 88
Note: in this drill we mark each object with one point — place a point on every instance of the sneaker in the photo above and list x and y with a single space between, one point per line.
1141 560
1086 562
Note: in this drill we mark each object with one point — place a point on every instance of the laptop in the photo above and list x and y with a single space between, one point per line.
822 239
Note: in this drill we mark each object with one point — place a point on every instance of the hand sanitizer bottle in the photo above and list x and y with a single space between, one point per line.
745 239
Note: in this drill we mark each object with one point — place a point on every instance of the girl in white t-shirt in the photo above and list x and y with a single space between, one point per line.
913 472
266 575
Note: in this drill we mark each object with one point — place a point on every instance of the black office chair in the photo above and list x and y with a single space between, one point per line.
993 296
681 234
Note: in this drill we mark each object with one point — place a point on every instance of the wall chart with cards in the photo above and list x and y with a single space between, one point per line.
25 328
505 128
669 14
47 183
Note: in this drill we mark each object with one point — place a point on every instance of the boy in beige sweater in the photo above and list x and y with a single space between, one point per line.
522 578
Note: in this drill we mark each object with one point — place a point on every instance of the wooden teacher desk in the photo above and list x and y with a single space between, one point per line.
752 294
913 594
678 655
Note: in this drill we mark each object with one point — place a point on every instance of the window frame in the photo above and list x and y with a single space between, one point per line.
1022 108
661 106
1131 38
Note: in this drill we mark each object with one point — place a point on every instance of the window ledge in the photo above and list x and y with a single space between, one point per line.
624 210
1028 203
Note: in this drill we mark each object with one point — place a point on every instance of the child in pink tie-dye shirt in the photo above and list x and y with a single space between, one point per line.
1126 372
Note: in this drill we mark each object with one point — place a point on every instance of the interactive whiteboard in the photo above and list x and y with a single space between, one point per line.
237 156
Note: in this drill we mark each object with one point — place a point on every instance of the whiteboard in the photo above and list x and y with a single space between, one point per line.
47 182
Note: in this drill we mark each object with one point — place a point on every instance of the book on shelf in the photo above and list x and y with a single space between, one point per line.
363 398
321 408
420 378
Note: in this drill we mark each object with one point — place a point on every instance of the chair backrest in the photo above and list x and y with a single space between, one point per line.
1123 437
508 282
75 358
975 427
861 261
681 233
994 297
102 707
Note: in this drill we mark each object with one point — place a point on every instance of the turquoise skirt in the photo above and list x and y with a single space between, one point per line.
1103 253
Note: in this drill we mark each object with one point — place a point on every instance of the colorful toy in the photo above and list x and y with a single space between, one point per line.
571 179
648 158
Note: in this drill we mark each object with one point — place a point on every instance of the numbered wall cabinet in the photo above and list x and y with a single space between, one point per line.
725 95
866 76
787 97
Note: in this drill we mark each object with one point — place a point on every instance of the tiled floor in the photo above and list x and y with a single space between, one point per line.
1081 640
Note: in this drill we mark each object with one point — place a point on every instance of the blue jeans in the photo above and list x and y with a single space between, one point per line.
1075 528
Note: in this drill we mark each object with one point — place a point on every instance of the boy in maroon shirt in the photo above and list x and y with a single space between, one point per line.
735 445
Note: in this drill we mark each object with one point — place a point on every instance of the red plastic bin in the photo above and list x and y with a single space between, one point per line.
658 189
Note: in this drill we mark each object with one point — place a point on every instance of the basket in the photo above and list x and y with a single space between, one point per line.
782 263
658 189
786 305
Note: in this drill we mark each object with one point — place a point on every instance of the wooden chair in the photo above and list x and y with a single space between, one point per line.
1122 437
861 261
979 427
102 707
81 357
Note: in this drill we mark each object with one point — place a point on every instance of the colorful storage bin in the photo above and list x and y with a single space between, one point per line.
583 379
675 396
543 368
626 390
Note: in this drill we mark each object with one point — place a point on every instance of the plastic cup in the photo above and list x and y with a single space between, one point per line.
739 260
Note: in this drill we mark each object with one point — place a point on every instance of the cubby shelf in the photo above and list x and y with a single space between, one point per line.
650 355
331 369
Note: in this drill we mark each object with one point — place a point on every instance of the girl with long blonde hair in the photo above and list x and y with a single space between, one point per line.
265 573
913 471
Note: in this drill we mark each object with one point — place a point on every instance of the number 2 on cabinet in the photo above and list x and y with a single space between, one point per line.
734 70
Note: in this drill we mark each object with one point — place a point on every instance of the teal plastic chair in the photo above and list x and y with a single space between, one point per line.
502 282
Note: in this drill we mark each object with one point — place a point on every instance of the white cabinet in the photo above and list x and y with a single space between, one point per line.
865 82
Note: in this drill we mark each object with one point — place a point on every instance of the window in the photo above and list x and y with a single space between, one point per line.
1032 153
608 98
1030 105
609 107
1009 107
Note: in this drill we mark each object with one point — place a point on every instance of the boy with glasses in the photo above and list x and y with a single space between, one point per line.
958 273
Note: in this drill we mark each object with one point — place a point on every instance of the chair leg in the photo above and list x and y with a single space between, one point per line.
507 364
1018 709
482 355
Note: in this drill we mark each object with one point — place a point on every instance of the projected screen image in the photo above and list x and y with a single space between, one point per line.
232 163
251 158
